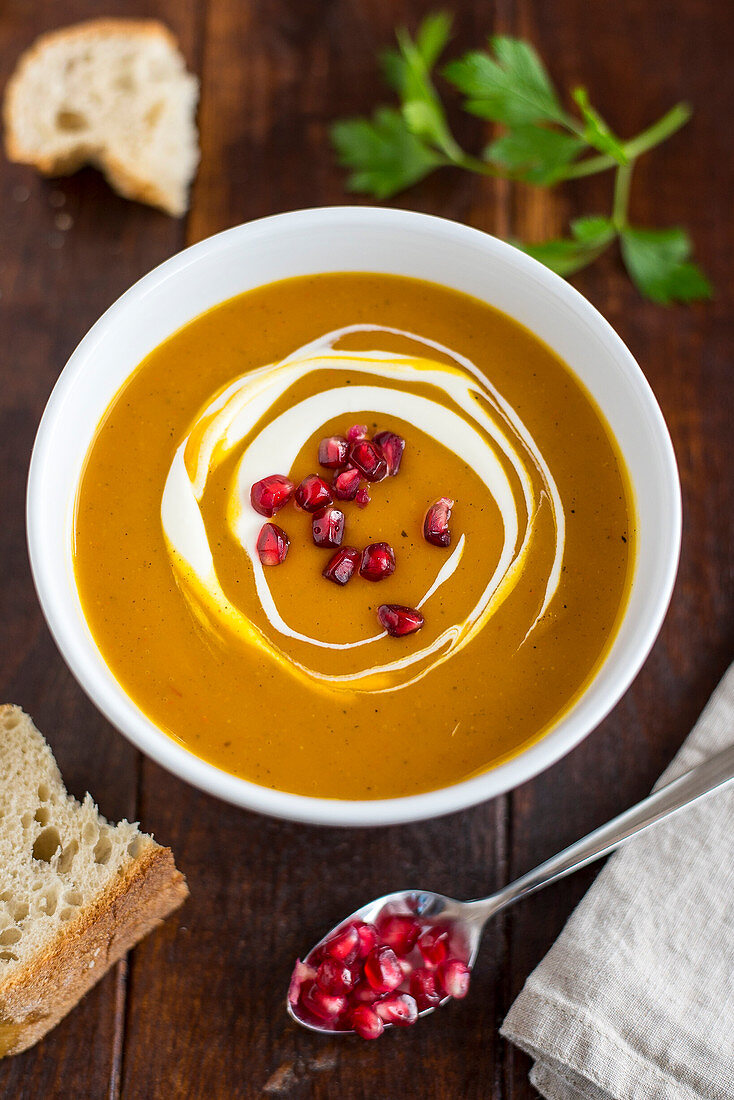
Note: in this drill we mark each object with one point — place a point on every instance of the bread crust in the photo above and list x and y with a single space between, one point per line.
124 181
37 995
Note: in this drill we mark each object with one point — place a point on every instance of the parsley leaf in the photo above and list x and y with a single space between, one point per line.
536 154
430 41
384 155
514 89
432 36
658 263
593 229
591 236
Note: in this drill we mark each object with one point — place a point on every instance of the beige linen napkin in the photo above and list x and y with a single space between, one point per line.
635 1000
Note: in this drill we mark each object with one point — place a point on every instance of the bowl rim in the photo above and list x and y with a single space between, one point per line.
570 728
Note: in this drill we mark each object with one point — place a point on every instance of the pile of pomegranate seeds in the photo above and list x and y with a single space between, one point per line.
367 976
357 462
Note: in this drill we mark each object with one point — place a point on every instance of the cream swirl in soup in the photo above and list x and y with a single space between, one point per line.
436 390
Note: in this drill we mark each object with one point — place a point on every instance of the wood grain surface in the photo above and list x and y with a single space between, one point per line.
197 1010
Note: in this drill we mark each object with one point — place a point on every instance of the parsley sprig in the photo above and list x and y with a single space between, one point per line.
539 142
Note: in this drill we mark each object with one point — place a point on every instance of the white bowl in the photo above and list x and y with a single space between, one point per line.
352 239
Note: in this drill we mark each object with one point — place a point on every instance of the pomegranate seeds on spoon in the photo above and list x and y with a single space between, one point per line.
367 977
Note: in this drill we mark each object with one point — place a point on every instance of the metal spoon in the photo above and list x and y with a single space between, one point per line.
467 918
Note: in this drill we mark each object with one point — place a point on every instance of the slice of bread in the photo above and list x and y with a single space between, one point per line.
114 93
75 892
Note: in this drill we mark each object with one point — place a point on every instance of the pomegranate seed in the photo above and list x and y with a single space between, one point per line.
346 483
362 497
378 561
392 447
453 978
399 932
272 544
301 973
436 522
328 528
366 1022
333 452
382 969
406 967
367 457
398 1008
313 494
433 946
398 620
367 938
326 1006
334 976
344 945
271 494
357 431
423 988
342 565
363 993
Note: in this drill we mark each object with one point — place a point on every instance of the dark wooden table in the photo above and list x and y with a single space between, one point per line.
197 1009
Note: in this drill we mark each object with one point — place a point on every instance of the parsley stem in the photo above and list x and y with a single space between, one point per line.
656 134
659 132
589 167
474 164
622 180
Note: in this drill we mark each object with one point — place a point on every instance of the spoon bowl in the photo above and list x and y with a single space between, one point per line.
465 918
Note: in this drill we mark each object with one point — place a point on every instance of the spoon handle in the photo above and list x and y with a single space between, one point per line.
674 796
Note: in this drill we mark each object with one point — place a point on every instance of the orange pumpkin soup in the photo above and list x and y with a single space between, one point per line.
494 523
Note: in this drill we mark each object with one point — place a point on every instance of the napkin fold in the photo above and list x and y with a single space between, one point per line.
635 1000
